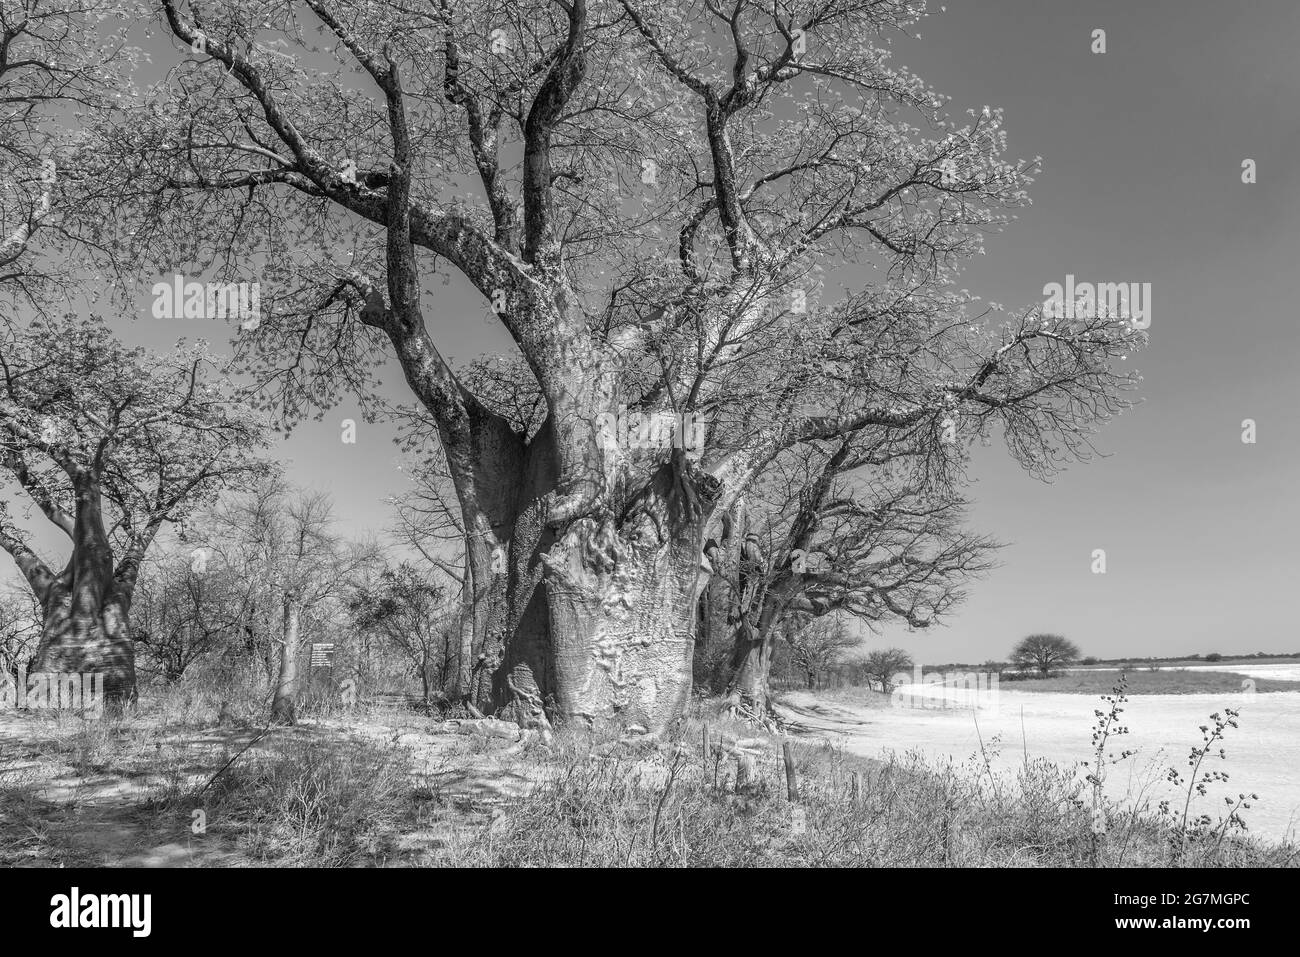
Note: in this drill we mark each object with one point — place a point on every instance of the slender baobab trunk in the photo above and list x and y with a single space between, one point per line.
751 661
86 626
87 632
710 626
482 632
286 685
458 675
718 599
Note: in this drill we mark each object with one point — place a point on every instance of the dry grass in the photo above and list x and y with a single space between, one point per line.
616 807
354 793
308 803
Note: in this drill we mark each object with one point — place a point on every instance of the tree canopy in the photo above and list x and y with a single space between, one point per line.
109 443
745 217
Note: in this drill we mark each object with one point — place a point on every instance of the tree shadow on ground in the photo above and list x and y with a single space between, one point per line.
80 793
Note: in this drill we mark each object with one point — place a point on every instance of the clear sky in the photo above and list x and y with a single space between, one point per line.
1141 182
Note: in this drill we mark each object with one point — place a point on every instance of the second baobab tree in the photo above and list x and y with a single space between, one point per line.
107 443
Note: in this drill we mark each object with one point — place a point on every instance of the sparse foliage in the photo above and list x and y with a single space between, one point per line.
653 210
883 665
820 644
109 443
415 616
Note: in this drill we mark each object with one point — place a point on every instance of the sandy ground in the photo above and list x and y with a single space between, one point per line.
1263 754
1278 672
98 819
95 817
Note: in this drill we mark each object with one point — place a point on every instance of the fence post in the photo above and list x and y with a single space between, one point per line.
744 770
791 778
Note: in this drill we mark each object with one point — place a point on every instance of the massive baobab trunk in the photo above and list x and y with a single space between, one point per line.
600 613
588 614
621 614
86 630
86 625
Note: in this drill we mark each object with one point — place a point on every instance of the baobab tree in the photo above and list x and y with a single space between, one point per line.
108 443
654 200
849 529
428 516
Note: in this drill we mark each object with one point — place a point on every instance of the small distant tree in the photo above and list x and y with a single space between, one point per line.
819 645
1044 653
20 628
883 664
992 667
287 541
1214 656
189 607
410 612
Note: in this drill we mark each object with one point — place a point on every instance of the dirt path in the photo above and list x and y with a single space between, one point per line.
72 799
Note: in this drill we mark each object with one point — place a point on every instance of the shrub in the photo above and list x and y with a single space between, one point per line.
1044 653
318 803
